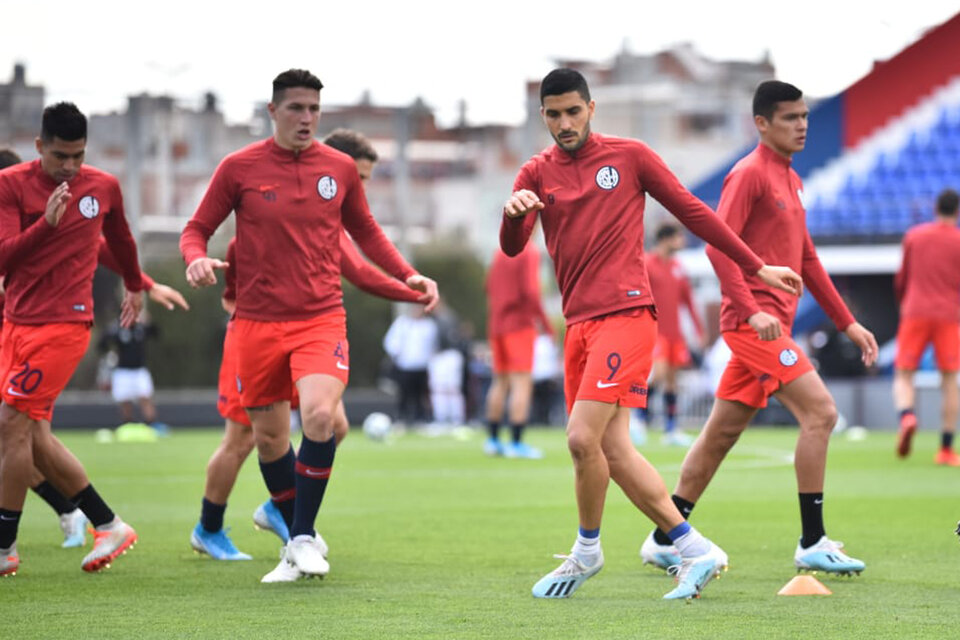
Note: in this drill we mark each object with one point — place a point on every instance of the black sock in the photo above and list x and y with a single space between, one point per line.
314 463
493 428
54 498
211 516
946 439
9 523
93 506
516 431
280 479
811 518
685 507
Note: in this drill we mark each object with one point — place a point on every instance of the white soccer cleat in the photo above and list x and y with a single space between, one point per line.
73 525
9 561
694 573
826 555
109 542
567 578
308 554
286 571
662 556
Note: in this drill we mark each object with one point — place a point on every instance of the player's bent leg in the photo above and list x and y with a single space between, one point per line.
341 426
496 399
904 394
810 402
16 457
226 461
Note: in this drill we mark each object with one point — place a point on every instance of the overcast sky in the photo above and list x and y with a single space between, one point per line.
97 52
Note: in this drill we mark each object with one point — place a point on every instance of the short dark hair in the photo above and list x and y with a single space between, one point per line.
294 78
8 158
948 202
63 120
769 93
353 143
564 80
666 231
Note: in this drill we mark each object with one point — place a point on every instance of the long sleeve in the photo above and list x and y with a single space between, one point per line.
217 203
116 233
663 185
105 259
515 232
14 243
370 279
368 234
821 287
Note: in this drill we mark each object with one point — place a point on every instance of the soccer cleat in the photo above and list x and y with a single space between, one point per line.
73 525
217 545
694 573
522 450
676 439
826 555
286 571
268 518
109 543
662 556
493 447
947 457
9 561
308 555
567 578
908 426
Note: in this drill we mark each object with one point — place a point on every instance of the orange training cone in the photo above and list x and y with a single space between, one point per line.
805 585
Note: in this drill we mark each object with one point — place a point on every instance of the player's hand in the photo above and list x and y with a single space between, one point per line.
766 326
431 294
168 297
782 278
200 272
130 308
521 203
864 339
57 204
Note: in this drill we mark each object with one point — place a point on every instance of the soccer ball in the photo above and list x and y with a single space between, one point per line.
377 425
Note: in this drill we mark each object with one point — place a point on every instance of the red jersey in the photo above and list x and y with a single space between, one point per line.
513 293
761 202
593 221
671 289
49 270
354 268
928 283
290 210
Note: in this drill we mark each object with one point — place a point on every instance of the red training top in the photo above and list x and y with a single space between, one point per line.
928 283
761 202
671 288
290 210
49 270
513 293
593 221
354 268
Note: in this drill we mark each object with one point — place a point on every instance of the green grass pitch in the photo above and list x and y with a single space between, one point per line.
430 539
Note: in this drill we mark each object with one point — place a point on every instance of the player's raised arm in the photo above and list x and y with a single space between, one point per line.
521 203
219 200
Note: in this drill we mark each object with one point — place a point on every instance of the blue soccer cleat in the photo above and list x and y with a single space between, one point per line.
268 518
694 573
826 555
567 578
493 447
522 450
217 545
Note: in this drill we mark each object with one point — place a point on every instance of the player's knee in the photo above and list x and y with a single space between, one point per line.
822 417
582 444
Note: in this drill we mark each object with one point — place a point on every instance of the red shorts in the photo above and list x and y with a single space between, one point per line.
609 359
758 368
513 352
272 356
673 350
37 362
915 334
228 393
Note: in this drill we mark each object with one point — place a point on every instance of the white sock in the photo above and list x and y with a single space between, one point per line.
691 544
586 548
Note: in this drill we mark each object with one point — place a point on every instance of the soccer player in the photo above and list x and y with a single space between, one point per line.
292 196
761 201
671 289
928 289
209 536
514 311
52 213
589 191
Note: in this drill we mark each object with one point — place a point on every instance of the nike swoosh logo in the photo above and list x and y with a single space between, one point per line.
267 187
606 385
340 365
13 392
317 474
552 190
818 502
8 519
